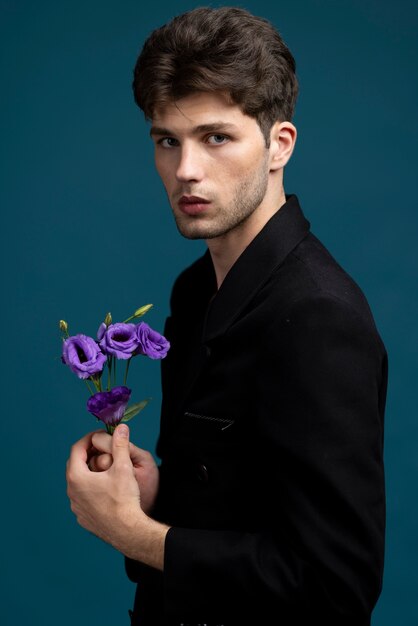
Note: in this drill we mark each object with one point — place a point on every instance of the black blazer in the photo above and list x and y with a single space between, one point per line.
271 442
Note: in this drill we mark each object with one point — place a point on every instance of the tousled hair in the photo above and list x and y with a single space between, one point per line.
227 50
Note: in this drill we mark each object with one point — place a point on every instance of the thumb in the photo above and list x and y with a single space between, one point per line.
120 444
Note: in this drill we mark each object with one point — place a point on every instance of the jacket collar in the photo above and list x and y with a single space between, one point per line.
281 234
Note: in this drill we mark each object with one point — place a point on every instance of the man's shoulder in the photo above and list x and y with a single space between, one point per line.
310 272
311 293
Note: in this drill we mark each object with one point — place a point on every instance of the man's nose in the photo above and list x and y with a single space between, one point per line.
190 166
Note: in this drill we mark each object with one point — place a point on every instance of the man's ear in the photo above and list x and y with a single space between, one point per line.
282 141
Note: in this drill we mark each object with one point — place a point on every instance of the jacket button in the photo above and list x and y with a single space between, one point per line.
202 473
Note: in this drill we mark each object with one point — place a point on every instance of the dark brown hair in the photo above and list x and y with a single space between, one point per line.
226 49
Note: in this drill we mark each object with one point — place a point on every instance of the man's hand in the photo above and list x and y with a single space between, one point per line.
145 469
107 503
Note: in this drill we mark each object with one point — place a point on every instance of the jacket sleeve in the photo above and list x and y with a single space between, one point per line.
319 397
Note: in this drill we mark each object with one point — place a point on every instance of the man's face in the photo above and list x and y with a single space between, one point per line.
213 162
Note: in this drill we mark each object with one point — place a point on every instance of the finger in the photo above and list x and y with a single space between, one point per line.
79 455
102 442
140 456
120 446
100 462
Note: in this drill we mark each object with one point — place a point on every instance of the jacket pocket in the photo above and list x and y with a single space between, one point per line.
208 421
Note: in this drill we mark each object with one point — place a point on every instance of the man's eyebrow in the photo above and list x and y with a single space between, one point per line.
201 128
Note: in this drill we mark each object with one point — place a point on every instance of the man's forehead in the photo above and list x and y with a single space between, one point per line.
197 113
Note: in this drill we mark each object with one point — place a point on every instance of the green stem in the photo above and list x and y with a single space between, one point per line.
96 382
128 362
114 373
109 371
88 387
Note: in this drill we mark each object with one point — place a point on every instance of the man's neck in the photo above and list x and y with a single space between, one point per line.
226 249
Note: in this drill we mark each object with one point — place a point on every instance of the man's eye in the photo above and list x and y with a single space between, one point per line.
167 142
217 140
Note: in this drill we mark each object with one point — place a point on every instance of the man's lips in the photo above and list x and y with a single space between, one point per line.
192 205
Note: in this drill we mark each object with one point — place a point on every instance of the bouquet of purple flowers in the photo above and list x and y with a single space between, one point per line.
88 358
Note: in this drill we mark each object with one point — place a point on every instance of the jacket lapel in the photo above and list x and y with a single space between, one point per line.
282 233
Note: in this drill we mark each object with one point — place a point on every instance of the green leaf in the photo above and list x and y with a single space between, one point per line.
134 409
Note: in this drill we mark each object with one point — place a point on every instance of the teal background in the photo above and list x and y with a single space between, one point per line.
86 229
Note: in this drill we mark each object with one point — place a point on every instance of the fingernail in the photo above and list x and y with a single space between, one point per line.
122 430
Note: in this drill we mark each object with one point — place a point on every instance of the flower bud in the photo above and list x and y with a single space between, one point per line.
108 319
142 310
63 326
139 312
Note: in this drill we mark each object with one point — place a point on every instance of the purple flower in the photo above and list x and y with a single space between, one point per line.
101 331
119 340
109 406
151 343
83 356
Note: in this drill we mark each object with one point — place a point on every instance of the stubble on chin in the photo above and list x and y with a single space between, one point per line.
190 230
198 226
198 230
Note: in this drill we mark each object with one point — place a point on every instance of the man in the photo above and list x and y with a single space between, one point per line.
268 506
